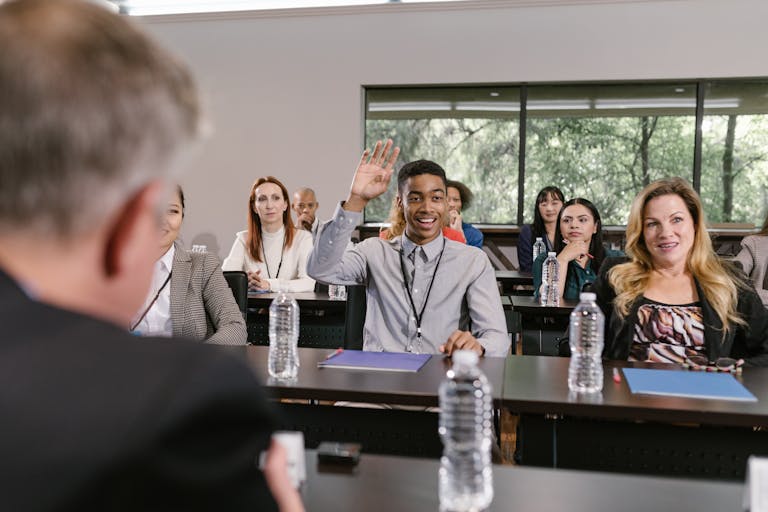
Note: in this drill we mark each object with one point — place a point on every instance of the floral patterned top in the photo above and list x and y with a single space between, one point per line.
667 333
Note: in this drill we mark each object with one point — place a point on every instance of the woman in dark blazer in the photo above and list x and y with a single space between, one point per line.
549 202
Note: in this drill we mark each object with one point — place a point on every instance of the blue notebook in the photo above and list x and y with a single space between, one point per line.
689 384
386 361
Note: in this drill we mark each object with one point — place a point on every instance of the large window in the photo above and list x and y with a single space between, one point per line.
599 141
734 168
471 132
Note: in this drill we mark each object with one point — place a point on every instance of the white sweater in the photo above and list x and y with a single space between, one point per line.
293 270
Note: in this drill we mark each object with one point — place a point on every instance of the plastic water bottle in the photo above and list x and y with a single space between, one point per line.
550 276
337 292
466 423
283 360
585 373
538 247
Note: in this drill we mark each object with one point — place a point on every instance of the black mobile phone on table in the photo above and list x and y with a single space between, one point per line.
346 454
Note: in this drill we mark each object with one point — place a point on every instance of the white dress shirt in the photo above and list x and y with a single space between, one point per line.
157 321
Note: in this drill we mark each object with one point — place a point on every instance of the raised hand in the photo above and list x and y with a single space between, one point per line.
372 175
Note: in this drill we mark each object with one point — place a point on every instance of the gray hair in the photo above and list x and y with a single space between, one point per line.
92 110
305 190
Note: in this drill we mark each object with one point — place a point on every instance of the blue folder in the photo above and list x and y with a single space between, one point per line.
689 384
387 361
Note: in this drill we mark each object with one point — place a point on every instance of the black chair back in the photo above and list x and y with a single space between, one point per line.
238 283
355 317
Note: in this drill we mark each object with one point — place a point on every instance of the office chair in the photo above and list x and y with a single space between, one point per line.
238 283
354 319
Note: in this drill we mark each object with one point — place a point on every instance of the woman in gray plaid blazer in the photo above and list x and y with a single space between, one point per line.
189 297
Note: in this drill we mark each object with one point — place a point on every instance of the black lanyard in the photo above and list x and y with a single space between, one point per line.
279 265
157 296
418 315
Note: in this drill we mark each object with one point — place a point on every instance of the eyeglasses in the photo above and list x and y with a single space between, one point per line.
721 364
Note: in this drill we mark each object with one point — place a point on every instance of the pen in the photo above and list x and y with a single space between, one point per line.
616 376
334 353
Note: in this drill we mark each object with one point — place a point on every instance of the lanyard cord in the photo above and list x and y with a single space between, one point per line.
157 296
279 265
416 314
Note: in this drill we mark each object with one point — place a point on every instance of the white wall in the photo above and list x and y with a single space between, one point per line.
284 90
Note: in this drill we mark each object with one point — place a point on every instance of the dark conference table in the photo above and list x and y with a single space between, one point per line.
511 278
611 431
540 385
389 430
400 388
321 324
618 430
311 300
384 483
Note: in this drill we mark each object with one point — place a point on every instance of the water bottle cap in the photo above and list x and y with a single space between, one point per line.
552 253
587 296
465 357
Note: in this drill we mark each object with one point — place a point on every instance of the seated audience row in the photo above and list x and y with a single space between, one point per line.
189 296
639 308
657 302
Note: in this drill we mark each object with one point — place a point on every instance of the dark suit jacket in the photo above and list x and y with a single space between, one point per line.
93 418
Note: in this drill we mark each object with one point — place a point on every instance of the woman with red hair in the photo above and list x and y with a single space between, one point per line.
272 250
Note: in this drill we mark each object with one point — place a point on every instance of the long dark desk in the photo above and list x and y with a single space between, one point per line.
311 300
511 278
618 431
397 388
388 430
384 484
321 322
541 325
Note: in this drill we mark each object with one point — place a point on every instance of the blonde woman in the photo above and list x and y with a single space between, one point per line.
673 298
